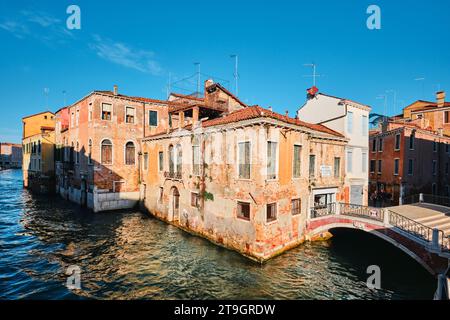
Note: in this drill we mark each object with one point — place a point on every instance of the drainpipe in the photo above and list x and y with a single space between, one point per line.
336 118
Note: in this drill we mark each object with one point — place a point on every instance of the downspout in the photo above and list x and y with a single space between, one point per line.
336 118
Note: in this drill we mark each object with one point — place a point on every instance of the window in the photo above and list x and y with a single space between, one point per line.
39 147
412 137
410 167
350 122
297 161
106 111
271 160
380 145
447 149
196 160
106 152
396 166
195 200
161 161
296 207
129 114
72 119
434 167
153 118
145 161
374 145
349 161
446 116
337 167
397 141
244 160
243 210
434 189
90 112
77 119
130 153
312 165
364 162
372 166
90 152
379 167
171 159
161 194
271 212
435 146
179 158
77 153
364 125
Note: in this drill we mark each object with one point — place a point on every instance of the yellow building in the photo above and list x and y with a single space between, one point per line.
38 152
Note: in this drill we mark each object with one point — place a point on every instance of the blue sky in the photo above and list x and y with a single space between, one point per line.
136 44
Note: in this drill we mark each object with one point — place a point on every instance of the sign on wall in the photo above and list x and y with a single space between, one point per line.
325 171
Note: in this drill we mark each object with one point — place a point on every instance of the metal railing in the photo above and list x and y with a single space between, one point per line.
172 175
417 229
362 211
434 199
323 210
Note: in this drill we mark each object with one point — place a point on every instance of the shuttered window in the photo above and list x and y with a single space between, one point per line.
106 111
297 161
244 160
129 153
296 206
271 212
129 114
106 152
271 160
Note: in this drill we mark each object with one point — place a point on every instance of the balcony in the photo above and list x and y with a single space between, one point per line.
172 175
323 210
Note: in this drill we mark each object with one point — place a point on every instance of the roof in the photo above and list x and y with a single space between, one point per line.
254 112
186 96
227 92
344 99
36 114
432 106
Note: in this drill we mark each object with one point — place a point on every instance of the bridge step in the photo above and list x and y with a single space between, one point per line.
433 219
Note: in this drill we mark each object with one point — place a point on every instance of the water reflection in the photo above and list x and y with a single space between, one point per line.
128 255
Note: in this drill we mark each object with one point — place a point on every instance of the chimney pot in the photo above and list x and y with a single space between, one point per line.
116 90
287 113
440 98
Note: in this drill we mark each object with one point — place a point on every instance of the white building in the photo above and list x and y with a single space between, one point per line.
352 120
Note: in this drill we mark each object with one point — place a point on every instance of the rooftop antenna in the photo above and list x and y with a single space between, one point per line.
421 79
198 78
236 74
314 75
395 99
383 96
46 92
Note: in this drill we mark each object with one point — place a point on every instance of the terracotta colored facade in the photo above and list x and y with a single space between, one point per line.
414 153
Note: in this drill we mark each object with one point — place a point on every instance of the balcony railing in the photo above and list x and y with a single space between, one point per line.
323 210
172 175
355 210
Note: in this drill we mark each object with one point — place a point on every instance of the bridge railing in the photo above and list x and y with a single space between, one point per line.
323 210
355 210
418 230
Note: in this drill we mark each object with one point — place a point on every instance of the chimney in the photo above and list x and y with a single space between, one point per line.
270 108
440 98
287 113
116 90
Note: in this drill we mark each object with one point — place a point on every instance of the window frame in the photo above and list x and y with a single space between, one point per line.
126 114
149 118
396 166
297 145
240 216
273 176
101 152
125 153
273 220
101 111
397 139
299 207
238 169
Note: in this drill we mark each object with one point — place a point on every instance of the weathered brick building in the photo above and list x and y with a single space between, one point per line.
244 177
410 153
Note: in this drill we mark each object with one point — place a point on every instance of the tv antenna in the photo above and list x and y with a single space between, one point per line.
235 74
198 78
314 74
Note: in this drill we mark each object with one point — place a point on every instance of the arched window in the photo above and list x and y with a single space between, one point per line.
179 158
90 151
129 153
171 159
107 147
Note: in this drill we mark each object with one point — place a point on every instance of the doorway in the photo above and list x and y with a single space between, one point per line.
175 204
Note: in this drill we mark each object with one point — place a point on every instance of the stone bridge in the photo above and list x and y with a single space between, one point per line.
428 246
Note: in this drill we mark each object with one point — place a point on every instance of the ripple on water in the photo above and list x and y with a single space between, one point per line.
132 256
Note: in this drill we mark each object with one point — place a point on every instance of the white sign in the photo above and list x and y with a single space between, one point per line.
325 171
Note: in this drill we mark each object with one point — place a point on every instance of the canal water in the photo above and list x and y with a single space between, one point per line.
129 255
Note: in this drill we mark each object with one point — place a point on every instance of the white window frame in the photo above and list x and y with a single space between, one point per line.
350 122
349 163
101 111
293 160
238 159
276 160
134 114
399 142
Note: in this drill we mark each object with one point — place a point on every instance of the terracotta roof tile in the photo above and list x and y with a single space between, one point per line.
259 112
